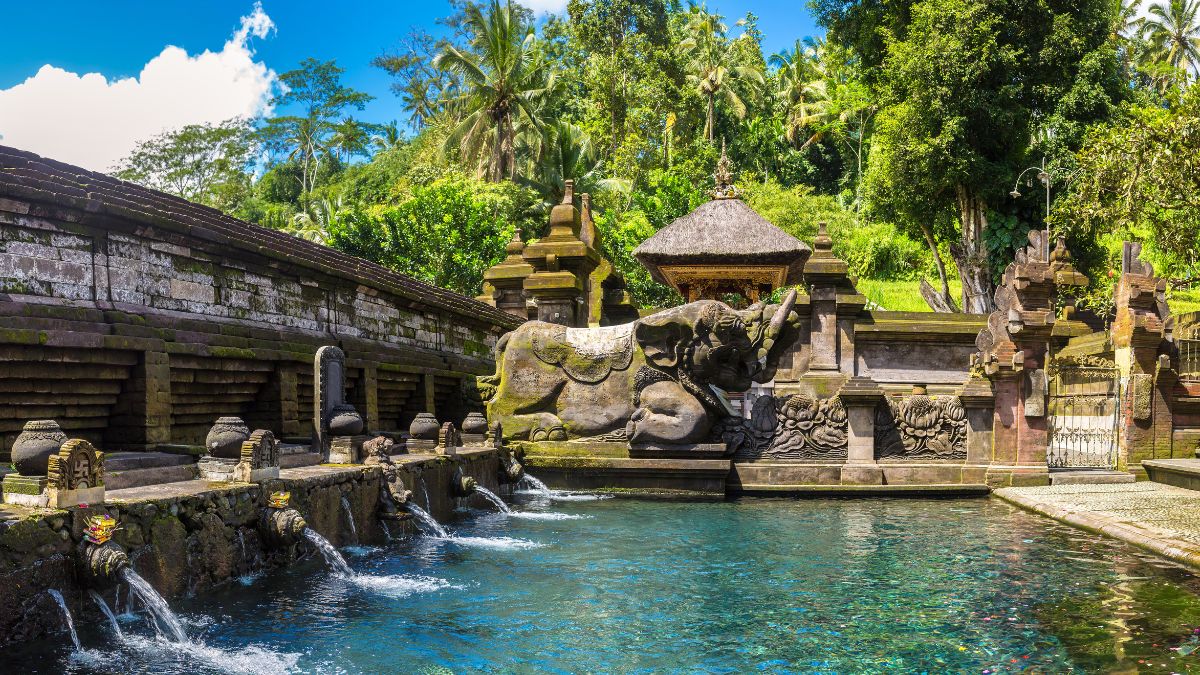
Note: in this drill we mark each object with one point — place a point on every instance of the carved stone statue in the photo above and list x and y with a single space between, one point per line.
656 380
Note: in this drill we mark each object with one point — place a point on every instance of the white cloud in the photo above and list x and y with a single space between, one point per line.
93 122
545 6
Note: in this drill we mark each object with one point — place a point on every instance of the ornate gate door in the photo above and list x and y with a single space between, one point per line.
1085 411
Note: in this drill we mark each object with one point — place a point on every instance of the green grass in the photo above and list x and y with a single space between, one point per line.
1184 301
900 296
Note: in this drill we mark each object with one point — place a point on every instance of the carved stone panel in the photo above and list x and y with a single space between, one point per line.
794 427
921 427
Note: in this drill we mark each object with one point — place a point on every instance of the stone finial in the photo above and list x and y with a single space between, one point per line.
564 217
823 242
515 246
723 177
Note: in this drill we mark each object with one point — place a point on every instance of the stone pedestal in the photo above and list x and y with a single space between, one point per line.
860 397
217 469
25 490
346 449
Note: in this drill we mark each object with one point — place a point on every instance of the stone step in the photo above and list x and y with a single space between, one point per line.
127 461
293 460
119 480
294 448
1090 477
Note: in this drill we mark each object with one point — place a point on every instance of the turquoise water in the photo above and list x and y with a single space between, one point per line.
752 586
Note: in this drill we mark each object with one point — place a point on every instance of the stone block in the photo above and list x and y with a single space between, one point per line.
862 474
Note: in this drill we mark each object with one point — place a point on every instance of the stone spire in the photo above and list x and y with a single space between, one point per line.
723 177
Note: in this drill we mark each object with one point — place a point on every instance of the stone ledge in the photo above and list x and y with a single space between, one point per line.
1114 511
948 490
1182 473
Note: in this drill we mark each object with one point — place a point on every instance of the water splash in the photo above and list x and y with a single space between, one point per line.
493 498
332 557
66 614
350 519
501 543
112 618
532 484
151 600
387 531
547 515
400 585
427 522
139 654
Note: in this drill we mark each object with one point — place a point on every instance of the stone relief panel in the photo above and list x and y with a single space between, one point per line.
921 427
793 427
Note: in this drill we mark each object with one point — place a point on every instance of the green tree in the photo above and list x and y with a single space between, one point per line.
963 85
714 68
504 79
1173 30
447 233
314 91
199 162
1140 178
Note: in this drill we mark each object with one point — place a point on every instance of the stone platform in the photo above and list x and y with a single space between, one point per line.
1163 519
1184 473
135 469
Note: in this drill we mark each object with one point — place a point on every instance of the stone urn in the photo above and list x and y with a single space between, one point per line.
344 420
424 427
38 440
475 424
225 438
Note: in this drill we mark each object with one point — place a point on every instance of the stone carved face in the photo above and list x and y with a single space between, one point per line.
716 344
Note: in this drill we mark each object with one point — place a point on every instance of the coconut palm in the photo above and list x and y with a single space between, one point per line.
504 77
796 70
1173 29
564 152
712 67
386 137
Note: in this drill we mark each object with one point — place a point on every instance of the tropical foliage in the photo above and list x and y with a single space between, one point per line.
908 127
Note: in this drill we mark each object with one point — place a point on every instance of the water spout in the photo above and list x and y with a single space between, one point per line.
493 498
350 519
425 491
151 600
66 614
331 555
112 618
428 523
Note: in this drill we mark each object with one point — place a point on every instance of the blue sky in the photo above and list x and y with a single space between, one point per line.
118 39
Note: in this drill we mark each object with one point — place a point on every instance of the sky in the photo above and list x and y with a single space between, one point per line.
84 81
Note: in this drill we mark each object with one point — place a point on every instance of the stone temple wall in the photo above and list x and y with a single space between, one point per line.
135 318
185 542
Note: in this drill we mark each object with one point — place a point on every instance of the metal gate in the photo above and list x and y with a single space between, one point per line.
1085 411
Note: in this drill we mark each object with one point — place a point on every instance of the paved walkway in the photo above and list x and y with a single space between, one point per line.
1160 518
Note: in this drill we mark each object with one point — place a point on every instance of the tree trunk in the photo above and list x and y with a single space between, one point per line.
971 253
946 299
708 126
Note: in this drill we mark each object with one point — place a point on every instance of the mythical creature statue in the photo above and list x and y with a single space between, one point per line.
658 380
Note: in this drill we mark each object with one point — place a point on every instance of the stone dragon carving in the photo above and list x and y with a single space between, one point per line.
659 379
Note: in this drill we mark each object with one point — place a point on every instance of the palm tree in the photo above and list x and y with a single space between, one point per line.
504 77
387 137
349 138
712 66
1174 31
564 152
796 70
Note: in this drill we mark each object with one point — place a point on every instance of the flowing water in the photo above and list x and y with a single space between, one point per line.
66 615
493 498
426 521
532 484
769 586
332 558
112 618
425 491
156 605
350 519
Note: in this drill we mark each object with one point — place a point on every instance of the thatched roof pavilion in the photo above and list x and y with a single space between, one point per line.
723 247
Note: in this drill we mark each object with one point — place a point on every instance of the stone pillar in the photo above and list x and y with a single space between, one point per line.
1138 335
141 418
503 283
277 407
979 401
369 383
563 264
859 397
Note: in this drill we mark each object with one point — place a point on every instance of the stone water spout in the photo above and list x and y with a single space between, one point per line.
392 493
280 525
462 485
101 560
